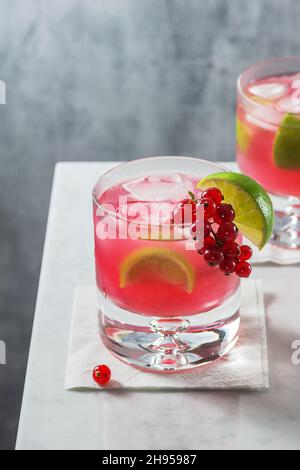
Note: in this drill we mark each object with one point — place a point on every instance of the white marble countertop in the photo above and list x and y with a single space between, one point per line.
52 418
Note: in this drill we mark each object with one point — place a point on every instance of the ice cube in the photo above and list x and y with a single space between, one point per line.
269 91
139 212
146 213
154 179
164 188
265 117
290 104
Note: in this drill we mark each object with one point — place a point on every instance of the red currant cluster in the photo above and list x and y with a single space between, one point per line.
219 247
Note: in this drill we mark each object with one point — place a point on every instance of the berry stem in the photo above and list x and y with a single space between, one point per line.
192 196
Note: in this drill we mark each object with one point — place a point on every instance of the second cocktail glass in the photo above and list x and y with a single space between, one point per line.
268 138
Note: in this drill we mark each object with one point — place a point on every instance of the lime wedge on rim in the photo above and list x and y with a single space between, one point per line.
157 263
287 144
253 207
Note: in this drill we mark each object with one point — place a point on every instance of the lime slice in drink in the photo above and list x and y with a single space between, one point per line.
287 144
243 135
157 263
260 100
253 207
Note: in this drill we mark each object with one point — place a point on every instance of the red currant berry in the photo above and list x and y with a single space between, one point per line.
243 269
224 213
209 207
177 216
189 212
185 212
201 250
213 257
231 250
101 374
207 229
214 194
227 232
228 266
198 244
246 253
209 242
183 202
194 230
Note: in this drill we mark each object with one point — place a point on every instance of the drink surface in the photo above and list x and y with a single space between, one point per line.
153 275
268 137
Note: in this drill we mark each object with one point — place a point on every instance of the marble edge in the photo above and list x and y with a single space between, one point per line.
37 306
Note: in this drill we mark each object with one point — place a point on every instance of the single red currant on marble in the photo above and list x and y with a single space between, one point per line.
213 257
101 374
246 253
227 232
243 269
214 194
224 213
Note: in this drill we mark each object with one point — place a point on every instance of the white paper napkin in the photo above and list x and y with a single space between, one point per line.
246 367
274 254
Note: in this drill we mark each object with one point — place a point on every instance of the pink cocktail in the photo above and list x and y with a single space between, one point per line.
152 283
172 299
268 142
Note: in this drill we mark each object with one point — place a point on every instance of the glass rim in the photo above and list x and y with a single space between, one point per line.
258 65
128 163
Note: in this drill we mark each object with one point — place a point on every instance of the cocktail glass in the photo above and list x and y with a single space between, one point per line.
268 138
162 308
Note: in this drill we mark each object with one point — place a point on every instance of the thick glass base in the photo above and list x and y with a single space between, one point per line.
286 233
169 344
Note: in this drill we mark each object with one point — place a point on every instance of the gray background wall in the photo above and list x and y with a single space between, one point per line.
109 80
